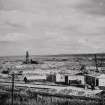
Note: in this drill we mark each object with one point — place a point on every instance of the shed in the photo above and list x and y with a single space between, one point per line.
75 79
51 78
35 77
101 80
60 78
96 79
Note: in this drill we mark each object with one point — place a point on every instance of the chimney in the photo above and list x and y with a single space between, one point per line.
27 57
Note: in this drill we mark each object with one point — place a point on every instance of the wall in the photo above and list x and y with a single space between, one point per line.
101 82
60 78
77 77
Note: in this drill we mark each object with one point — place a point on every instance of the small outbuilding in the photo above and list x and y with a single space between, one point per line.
60 78
51 78
95 80
31 78
74 79
56 77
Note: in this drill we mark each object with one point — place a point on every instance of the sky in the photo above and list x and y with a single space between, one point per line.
52 26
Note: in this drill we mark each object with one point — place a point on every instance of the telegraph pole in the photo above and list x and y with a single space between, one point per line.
12 100
96 63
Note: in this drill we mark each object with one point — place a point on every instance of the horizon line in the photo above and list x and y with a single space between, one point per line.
55 54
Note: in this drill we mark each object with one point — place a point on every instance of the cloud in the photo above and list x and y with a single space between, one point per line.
56 26
94 7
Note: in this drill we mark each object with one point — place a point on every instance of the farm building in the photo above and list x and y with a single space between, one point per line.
66 79
51 78
60 78
34 78
95 80
56 77
74 79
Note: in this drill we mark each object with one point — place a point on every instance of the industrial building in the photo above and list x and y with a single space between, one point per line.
74 79
28 60
66 79
95 80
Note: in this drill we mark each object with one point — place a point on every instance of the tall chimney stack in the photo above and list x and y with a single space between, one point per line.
27 57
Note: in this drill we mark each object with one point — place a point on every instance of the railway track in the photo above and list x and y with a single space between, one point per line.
8 81
41 88
28 84
38 86
48 94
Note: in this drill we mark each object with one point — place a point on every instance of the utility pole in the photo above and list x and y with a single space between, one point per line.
96 62
12 100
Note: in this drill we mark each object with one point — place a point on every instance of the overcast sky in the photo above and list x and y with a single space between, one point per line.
52 26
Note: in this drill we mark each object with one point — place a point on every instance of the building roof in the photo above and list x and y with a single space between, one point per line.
36 77
101 76
97 75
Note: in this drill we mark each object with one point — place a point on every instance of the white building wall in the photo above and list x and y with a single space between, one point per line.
102 82
60 78
36 77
